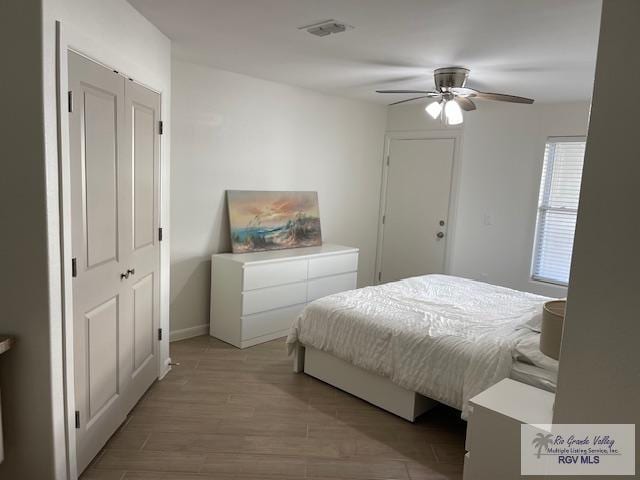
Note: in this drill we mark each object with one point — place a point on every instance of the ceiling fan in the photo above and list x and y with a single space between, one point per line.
452 96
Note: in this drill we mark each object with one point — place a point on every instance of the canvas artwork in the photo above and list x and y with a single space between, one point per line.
273 220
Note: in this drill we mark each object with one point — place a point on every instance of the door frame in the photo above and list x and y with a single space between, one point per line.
67 39
440 134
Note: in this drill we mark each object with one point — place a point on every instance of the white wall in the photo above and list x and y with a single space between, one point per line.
32 373
28 384
502 156
232 131
599 377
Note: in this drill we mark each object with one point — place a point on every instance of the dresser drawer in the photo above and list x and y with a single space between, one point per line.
271 274
270 298
273 321
321 287
333 265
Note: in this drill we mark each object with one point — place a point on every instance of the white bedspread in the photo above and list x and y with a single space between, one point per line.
445 337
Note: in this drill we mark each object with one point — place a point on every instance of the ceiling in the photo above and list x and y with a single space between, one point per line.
543 49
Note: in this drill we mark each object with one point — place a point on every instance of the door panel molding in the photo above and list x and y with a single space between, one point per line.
143 168
143 322
97 166
102 326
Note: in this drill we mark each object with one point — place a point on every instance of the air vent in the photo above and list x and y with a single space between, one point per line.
326 27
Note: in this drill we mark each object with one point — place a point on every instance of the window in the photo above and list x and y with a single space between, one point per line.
557 209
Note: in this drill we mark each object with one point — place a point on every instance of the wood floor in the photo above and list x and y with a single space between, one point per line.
226 413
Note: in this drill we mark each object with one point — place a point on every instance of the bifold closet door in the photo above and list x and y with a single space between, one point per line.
416 207
142 117
114 152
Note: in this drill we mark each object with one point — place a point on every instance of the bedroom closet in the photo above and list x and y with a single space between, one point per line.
115 171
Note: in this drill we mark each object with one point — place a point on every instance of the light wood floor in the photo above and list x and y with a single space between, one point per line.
226 413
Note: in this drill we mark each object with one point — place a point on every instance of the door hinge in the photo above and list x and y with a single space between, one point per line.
70 101
159 334
384 219
160 127
160 234
77 419
388 159
74 267
379 276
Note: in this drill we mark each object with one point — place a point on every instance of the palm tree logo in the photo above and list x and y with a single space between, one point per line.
542 441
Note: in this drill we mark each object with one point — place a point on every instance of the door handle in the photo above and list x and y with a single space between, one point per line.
440 234
130 271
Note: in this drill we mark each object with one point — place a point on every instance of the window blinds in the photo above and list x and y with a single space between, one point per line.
557 209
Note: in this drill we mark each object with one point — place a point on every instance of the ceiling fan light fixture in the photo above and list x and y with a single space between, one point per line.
450 83
434 109
453 113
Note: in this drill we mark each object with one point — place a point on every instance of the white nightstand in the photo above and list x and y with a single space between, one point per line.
493 429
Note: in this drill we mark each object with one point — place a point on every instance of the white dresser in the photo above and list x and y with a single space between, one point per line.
256 296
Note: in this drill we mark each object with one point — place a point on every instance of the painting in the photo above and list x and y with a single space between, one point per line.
262 220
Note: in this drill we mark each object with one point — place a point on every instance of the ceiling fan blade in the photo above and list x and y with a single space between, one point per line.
408 100
428 94
464 91
465 103
501 97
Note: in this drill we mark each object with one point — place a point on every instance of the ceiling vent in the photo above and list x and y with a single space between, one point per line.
326 27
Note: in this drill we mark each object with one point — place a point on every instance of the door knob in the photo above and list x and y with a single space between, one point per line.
130 271
440 234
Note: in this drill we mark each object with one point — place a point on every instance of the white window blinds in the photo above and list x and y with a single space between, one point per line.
557 209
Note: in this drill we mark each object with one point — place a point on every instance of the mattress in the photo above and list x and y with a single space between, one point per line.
445 337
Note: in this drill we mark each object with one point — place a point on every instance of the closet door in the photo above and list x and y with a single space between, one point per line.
114 151
102 308
142 116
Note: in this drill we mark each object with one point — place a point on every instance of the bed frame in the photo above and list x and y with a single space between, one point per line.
368 386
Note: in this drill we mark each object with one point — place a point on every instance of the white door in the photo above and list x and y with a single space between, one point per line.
416 207
114 153
142 117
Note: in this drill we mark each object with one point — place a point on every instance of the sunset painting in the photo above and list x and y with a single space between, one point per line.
273 220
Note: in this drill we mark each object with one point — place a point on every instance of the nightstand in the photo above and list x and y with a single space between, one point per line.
493 428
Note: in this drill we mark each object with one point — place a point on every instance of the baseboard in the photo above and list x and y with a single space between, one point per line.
185 333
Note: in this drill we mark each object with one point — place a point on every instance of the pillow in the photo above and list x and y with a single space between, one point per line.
534 323
527 350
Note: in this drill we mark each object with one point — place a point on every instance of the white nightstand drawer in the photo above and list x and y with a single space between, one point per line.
271 274
321 287
265 323
333 265
273 297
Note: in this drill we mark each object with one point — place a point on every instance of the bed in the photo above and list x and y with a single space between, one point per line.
406 345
